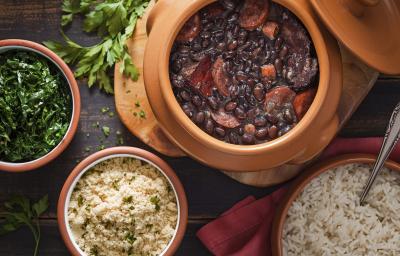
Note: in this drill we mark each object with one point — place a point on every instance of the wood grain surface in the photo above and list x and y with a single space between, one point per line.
209 191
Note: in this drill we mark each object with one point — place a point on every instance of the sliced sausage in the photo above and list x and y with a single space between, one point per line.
201 78
190 30
220 77
303 101
253 14
224 119
271 29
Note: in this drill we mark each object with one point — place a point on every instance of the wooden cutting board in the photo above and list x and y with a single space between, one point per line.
358 80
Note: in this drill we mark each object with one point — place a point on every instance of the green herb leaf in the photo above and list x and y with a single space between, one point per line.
106 131
156 201
19 212
115 22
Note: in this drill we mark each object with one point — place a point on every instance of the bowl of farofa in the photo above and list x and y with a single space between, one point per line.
39 105
122 201
321 213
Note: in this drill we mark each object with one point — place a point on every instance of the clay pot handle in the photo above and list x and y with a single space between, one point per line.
158 8
357 7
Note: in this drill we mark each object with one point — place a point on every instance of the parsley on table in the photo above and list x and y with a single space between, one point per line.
35 106
19 211
115 22
106 130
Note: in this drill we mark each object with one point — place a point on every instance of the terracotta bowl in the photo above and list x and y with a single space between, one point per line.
17 44
306 140
300 183
109 153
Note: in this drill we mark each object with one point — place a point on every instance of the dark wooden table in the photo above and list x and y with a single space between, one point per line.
209 192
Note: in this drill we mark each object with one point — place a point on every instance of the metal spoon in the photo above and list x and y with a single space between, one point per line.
389 141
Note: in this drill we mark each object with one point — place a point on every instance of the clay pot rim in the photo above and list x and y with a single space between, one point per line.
11 44
303 180
211 142
109 153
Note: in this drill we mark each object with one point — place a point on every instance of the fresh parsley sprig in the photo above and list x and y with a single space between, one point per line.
18 212
114 21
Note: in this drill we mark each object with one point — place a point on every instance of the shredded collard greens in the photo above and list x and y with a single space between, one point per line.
114 21
35 106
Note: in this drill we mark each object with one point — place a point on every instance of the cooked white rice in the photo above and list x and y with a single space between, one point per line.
123 206
327 219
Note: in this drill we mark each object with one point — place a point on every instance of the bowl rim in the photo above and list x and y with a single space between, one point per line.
13 44
137 153
175 109
304 179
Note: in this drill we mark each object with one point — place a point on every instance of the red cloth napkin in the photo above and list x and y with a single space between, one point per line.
245 228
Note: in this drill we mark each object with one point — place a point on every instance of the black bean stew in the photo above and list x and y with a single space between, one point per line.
244 71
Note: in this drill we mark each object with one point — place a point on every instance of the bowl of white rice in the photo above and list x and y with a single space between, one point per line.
122 201
321 213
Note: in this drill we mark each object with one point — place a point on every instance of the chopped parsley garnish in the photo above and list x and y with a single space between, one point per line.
106 130
35 106
137 104
80 200
105 110
127 199
156 201
130 237
142 114
115 184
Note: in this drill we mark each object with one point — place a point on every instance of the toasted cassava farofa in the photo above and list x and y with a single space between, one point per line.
123 206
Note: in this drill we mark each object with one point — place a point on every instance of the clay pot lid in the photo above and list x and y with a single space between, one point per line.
369 28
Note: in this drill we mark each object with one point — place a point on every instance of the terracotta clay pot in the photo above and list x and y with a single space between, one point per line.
300 183
89 162
306 140
17 44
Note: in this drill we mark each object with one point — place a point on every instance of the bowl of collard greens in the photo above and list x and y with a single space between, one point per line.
39 105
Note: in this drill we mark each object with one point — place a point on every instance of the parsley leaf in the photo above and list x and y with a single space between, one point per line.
18 212
115 22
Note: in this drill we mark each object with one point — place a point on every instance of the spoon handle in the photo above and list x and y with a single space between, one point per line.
389 142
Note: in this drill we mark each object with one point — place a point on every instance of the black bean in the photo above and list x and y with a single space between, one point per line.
188 109
288 115
205 43
209 126
185 95
213 102
248 139
284 130
199 118
230 106
260 121
221 46
234 138
259 92
278 65
234 91
278 42
232 45
240 131
220 131
240 113
261 133
273 132
283 52
196 100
